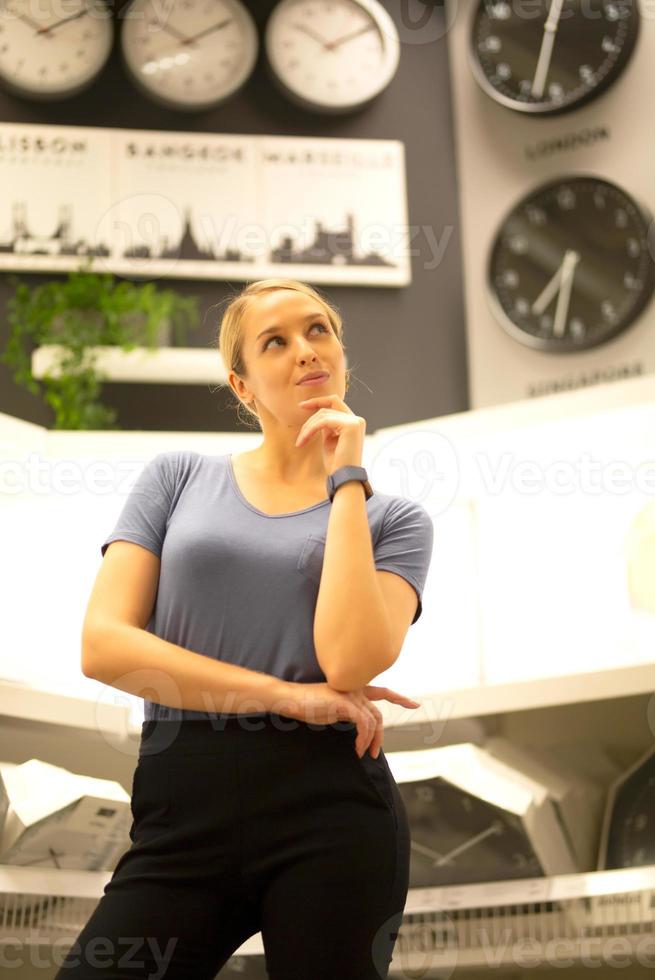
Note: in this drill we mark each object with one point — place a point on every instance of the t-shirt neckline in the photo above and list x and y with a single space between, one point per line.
261 513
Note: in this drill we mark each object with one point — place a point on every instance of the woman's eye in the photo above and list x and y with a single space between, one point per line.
278 337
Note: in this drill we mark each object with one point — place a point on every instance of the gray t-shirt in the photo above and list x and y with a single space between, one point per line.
239 585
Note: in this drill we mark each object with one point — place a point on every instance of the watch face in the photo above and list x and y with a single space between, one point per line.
52 50
331 55
458 838
631 840
570 267
194 55
550 56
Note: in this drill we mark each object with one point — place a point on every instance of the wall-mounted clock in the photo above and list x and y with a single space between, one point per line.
194 57
570 266
331 56
628 834
49 51
554 56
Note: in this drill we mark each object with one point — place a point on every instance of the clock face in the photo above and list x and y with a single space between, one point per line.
631 840
551 56
194 56
570 267
458 838
331 55
49 50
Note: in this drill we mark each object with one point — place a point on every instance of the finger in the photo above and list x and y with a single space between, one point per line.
364 731
374 720
376 744
398 698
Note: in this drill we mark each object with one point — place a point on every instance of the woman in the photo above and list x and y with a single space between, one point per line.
262 801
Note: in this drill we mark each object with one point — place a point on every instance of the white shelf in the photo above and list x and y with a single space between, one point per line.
21 701
523 891
542 692
522 922
163 365
24 702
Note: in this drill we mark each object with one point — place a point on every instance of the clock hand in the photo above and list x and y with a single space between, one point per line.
310 33
208 30
424 849
547 293
37 27
174 32
495 828
564 298
347 37
40 29
80 13
546 50
549 290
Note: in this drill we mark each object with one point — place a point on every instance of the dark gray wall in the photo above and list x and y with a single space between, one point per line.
406 346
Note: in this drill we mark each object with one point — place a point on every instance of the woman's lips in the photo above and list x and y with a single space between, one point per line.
315 381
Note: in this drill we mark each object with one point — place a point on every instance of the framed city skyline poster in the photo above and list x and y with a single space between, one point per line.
203 206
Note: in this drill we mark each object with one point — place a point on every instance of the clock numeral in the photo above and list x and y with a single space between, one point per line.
536 215
499 11
608 311
632 282
577 328
608 45
518 244
566 199
633 248
491 44
503 71
509 278
621 218
587 74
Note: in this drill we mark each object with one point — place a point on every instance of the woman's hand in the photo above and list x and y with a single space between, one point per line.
343 432
321 703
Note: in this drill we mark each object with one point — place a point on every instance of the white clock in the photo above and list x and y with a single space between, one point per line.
331 56
53 51
194 57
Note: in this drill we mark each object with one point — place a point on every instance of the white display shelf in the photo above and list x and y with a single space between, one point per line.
27 703
522 922
541 692
163 365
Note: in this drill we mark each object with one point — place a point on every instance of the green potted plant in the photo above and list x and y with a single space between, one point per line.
87 310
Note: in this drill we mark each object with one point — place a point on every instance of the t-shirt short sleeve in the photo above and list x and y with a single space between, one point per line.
405 544
144 516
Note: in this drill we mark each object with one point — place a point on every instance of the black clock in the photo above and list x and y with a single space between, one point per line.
459 838
550 56
571 266
628 835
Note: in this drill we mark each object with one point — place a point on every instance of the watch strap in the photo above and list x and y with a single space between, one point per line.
344 475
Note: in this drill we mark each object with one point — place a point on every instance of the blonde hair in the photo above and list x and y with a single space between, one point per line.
230 331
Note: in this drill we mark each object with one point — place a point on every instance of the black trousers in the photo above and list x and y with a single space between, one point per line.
252 824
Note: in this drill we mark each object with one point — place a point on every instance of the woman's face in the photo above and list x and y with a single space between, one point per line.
285 335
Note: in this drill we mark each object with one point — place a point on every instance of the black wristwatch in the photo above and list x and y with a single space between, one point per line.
344 475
